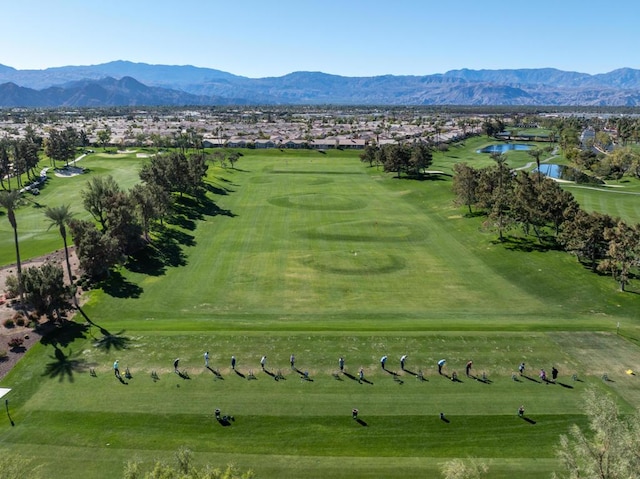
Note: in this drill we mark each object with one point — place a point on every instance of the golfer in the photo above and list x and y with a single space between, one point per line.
175 365
403 358
116 368
341 363
233 362
383 361
440 364
263 361
206 359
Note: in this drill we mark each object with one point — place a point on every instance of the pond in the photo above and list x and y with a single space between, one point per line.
567 173
504 147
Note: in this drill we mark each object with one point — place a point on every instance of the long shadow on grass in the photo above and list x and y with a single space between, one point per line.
531 379
350 376
64 366
165 251
117 286
62 334
108 340
217 190
528 245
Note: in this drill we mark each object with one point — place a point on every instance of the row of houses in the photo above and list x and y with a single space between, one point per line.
320 144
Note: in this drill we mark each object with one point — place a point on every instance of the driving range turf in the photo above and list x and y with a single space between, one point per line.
318 255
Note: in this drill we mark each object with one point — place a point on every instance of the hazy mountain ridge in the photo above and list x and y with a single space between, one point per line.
127 83
97 93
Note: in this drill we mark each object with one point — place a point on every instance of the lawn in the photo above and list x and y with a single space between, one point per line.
321 256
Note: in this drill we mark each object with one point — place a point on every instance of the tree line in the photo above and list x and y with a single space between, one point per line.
410 159
122 221
541 208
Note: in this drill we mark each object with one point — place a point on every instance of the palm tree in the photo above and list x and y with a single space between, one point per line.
60 216
10 200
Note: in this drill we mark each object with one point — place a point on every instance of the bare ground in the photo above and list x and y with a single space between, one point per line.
11 309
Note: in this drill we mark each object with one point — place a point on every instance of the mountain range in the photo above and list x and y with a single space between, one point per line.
122 83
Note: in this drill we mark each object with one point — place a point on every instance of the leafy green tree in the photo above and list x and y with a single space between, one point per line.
60 216
97 252
233 158
623 252
553 201
104 137
122 222
622 160
420 159
10 200
465 185
61 145
176 172
5 164
197 171
96 195
151 202
610 449
582 234
499 214
525 207
369 155
45 290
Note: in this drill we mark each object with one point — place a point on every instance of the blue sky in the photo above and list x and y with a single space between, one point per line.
260 38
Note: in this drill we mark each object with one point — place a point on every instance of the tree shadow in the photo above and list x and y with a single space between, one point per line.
64 366
108 340
112 341
147 260
210 208
118 286
216 190
61 334
165 251
182 221
475 214
528 245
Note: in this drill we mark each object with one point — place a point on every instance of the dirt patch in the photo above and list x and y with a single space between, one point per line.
9 309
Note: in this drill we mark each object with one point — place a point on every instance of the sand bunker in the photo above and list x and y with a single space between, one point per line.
69 171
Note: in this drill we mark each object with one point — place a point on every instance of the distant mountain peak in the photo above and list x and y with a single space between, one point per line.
124 82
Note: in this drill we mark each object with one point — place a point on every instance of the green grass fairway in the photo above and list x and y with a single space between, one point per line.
318 255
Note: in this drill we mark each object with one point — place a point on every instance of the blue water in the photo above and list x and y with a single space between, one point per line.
503 147
563 172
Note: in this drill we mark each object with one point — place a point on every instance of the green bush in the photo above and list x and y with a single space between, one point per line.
9 323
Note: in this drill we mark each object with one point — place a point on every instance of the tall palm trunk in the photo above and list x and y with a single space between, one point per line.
12 220
63 233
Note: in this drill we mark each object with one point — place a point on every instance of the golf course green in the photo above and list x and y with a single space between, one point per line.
317 254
